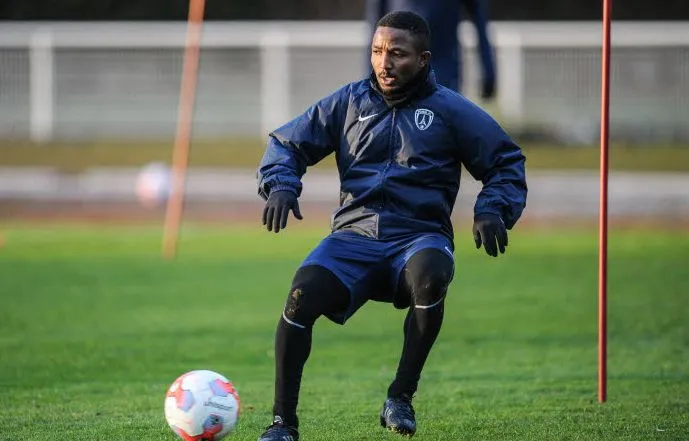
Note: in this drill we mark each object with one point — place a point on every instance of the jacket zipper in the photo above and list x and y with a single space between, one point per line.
389 163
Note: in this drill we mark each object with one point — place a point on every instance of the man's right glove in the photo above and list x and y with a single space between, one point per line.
277 209
489 229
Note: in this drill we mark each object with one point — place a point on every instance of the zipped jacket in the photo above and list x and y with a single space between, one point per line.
399 165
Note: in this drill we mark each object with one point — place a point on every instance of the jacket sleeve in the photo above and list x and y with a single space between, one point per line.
300 143
491 157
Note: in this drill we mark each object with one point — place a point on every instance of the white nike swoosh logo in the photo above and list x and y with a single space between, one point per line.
364 118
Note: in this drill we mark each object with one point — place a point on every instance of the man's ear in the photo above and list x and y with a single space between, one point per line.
425 58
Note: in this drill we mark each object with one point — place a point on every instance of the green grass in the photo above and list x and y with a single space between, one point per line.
94 326
247 153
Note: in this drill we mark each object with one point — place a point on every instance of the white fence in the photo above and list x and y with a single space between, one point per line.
121 80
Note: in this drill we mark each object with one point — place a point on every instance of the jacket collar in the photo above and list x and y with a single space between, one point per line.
421 86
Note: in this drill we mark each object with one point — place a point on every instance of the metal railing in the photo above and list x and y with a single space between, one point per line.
121 80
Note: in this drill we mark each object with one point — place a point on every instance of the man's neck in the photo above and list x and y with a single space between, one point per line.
408 91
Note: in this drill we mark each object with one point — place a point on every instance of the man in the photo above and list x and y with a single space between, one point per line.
399 139
444 16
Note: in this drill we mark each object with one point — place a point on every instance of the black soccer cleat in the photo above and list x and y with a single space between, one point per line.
279 431
398 415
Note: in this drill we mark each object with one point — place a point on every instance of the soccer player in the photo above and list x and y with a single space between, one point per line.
399 139
444 16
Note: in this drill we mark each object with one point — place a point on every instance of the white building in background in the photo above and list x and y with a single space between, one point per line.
80 81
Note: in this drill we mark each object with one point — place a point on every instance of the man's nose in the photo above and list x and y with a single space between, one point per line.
386 60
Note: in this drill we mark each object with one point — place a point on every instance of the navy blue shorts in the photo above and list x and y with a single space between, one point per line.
370 268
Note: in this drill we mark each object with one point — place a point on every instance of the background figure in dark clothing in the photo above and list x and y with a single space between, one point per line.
443 17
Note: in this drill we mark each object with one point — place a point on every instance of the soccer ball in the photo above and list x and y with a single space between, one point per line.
202 406
154 184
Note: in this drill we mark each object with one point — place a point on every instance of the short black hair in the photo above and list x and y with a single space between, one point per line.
409 21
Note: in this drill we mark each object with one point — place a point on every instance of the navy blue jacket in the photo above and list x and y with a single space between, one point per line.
399 166
443 17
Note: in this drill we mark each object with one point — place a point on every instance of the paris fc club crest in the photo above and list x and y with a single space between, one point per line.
423 118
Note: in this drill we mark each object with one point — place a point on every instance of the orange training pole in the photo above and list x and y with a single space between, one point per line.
603 227
180 157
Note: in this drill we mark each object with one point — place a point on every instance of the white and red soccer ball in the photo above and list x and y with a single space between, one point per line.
202 406
154 184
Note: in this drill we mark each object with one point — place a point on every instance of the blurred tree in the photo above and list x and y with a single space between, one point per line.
321 10
588 10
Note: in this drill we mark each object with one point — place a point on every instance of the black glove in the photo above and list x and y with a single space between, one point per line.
488 89
277 209
488 229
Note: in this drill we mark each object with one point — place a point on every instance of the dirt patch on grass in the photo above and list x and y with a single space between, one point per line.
316 214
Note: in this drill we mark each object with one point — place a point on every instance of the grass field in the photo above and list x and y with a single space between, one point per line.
94 326
76 157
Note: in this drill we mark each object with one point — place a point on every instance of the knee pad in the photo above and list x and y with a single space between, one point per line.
315 291
427 276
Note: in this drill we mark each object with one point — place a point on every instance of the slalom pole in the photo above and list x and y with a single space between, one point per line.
603 221
180 156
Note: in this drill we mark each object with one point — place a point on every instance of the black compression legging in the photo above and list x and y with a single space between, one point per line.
316 291
424 280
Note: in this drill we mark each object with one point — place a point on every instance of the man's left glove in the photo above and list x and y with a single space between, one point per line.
489 229
277 209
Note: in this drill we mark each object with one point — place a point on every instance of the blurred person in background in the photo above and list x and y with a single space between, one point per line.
444 17
400 139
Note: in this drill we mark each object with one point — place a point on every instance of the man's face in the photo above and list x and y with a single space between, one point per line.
395 58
